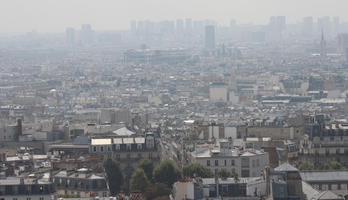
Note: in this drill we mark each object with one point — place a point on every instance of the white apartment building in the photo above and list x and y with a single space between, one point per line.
246 163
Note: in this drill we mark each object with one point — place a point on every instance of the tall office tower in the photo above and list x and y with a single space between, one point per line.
336 26
323 51
179 27
210 37
140 27
133 26
307 26
324 23
198 28
277 25
188 25
70 36
343 44
149 29
86 34
166 27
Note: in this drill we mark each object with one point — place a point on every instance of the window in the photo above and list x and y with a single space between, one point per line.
245 162
94 148
245 173
41 198
216 162
28 198
232 162
225 162
258 163
329 186
101 149
208 162
14 199
338 186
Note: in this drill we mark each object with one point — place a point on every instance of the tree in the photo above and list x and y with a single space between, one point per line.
114 175
223 173
306 166
157 190
139 180
167 172
147 166
336 165
195 168
325 166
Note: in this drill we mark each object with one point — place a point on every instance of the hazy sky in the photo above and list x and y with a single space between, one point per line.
55 15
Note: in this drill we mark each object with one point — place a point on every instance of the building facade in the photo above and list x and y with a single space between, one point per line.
245 163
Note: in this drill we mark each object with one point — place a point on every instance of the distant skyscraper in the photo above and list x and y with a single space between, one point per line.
179 26
210 37
188 25
70 36
343 44
324 24
133 26
323 51
336 26
307 26
277 25
86 34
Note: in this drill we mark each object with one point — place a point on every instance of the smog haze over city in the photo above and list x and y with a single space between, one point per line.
18 16
173 100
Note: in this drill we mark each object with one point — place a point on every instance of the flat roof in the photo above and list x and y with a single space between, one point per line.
100 141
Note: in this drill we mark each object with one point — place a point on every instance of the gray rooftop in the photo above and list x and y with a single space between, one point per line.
286 167
324 176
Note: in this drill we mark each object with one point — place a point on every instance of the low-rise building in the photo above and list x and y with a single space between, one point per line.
26 188
244 162
213 188
82 183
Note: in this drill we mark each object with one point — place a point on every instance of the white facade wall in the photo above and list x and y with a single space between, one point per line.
231 132
214 132
257 164
218 94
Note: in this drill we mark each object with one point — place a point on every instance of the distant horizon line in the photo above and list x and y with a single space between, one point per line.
219 24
